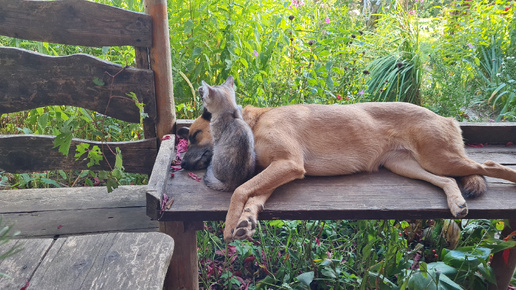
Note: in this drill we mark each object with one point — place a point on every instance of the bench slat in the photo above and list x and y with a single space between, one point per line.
81 210
30 80
380 195
33 153
75 22
107 261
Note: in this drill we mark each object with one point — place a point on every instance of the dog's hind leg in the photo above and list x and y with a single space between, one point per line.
404 164
259 188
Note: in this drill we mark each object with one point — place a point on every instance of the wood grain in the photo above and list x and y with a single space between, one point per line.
161 64
75 23
75 211
380 195
493 133
33 153
106 261
21 267
30 80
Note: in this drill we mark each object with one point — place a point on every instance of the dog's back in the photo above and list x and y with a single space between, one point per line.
233 160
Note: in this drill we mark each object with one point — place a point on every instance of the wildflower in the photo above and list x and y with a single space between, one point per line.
255 53
471 46
339 97
327 20
361 92
412 12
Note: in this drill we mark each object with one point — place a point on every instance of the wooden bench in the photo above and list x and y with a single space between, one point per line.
50 220
381 195
102 261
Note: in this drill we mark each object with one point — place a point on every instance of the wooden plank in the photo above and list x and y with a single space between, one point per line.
33 153
501 154
20 267
30 80
161 64
75 23
82 210
492 133
160 173
108 261
381 195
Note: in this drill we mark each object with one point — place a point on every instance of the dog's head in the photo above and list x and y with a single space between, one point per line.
218 99
200 144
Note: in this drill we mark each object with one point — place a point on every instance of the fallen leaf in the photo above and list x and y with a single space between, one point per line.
475 145
26 286
194 176
59 227
182 146
172 175
164 202
176 167
169 203
165 138
509 144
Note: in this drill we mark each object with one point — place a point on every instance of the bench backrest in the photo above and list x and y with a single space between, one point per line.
30 80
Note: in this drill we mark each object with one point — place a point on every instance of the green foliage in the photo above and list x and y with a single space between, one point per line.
6 235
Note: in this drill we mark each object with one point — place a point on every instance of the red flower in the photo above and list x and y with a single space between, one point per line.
339 97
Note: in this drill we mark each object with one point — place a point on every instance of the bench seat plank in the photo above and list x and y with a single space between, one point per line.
106 261
380 195
82 210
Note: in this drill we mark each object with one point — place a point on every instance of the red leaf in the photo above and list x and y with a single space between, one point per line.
176 168
59 227
165 138
194 176
182 146
509 144
26 286
505 255
475 145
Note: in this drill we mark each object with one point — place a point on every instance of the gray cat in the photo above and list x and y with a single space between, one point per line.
233 161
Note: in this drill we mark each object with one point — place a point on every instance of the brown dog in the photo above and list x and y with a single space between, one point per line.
326 140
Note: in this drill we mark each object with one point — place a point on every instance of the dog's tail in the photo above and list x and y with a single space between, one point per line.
473 185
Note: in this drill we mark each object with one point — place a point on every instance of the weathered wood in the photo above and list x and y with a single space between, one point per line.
160 173
75 23
29 80
107 261
149 124
21 267
492 133
161 64
32 153
183 270
79 210
381 195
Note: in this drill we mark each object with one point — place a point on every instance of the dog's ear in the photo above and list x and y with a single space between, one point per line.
183 132
230 82
206 115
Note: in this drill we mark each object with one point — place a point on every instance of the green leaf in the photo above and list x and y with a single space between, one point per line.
63 141
306 278
111 185
466 258
80 149
329 272
98 82
188 26
49 182
196 52
119 161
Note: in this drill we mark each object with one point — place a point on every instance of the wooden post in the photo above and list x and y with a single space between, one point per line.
183 270
503 271
161 64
